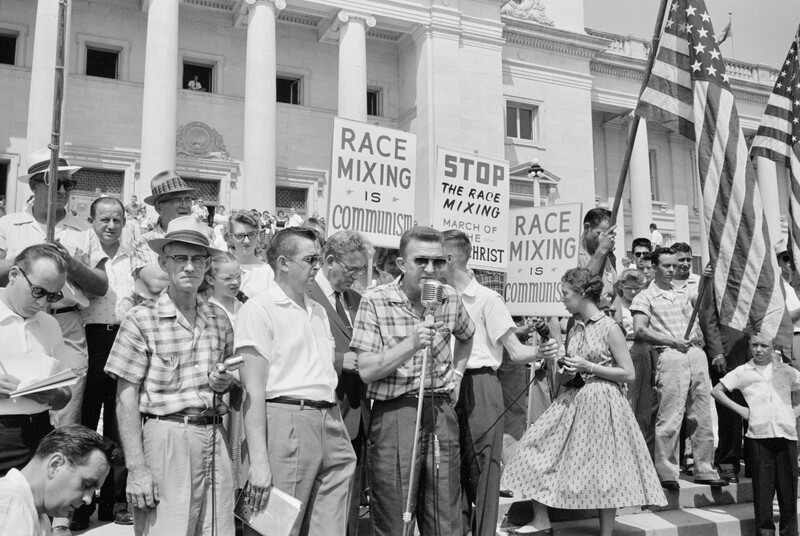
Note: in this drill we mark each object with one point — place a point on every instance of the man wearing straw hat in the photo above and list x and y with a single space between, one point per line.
171 198
28 227
164 360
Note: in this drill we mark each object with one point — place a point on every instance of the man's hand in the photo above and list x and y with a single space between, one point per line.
260 477
141 490
219 381
8 384
607 239
456 392
744 412
350 362
682 345
719 364
55 398
548 349
424 333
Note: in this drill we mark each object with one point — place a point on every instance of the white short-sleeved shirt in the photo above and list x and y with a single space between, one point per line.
18 513
32 349
108 309
295 341
767 391
257 278
492 320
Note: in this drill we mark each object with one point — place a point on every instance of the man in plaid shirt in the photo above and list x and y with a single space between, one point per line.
164 360
390 336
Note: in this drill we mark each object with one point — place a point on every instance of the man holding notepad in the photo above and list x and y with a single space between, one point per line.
33 349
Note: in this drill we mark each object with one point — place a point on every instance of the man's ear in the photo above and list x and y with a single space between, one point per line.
162 262
55 462
282 263
401 263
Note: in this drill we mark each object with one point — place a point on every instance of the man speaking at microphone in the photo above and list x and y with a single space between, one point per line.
392 332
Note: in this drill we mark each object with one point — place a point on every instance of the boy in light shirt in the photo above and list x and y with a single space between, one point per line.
766 384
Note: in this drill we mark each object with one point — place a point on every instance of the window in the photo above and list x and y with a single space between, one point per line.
654 193
288 90
521 121
102 63
198 77
8 49
373 102
286 198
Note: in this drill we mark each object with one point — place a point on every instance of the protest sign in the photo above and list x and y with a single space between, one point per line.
373 176
472 195
545 243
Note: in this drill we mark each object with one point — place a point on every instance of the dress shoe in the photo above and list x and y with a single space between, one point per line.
670 485
123 517
507 493
727 473
713 482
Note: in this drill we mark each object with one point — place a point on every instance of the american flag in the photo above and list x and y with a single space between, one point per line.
688 91
779 131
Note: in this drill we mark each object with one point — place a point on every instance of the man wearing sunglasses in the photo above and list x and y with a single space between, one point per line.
296 437
391 335
344 258
32 349
28 227
640 249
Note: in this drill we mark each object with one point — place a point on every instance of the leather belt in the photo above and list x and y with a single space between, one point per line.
197 420
103 327
20 418
480 370
64 310
436 395
316 404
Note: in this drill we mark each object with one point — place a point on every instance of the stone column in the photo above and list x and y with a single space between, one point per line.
353 64
260 108
160 96
641 190
767 177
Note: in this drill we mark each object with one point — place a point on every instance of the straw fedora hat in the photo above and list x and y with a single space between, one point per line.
186 230
163 183
39 162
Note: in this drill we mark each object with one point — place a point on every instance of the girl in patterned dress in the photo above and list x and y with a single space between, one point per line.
586 451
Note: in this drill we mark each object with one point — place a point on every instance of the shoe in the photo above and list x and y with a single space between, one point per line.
713 482
670 485
728 474
523 531
123 517
60 530
507 493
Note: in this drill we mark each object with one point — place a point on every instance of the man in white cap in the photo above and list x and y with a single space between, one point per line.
165 362
171 198
28 227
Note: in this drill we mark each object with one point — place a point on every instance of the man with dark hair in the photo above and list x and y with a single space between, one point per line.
296 437
683 272
480 403
345 256
597 243
64 473
32 349
640 247
165 360
660 318
391 334
656 239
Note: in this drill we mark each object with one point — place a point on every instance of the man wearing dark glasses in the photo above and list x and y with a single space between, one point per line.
33 349
641 249
391 335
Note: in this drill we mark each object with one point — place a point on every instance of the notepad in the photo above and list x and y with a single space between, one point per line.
276 519
62 379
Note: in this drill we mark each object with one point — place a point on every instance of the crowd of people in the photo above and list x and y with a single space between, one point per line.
240 353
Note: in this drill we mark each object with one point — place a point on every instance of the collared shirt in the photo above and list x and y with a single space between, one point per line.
20 230
669 310
18 513
609 274
257 278
691 283
108 309
767 391
142 254
157 349
492 321
386 318
327 289
295 220
32 349
295 341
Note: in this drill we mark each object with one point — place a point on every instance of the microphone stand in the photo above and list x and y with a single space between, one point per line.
417 429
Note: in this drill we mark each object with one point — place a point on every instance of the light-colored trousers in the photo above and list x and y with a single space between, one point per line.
684 387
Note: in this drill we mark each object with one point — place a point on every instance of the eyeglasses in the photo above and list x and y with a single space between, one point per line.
638 254
312 260
233 279
438 262
251 235
185 200
38 292
68 184
353 270
684 259
197 260
632 289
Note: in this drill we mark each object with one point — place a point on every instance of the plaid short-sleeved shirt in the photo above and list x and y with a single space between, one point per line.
143 255
669 310
385 318
169 359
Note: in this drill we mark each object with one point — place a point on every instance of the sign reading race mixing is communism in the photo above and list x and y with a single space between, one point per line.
373 176
544 244
472 195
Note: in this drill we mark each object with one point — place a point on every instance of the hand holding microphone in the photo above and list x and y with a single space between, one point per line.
432 296
548 348
219 379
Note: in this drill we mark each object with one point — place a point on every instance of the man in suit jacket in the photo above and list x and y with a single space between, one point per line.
345 256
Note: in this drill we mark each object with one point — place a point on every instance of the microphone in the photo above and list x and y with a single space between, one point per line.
432 295
230 364
542 329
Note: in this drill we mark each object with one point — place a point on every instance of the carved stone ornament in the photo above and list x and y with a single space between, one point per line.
532 10
198 140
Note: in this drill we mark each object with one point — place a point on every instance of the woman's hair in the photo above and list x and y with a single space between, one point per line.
631 275
213 269
245 217
584 281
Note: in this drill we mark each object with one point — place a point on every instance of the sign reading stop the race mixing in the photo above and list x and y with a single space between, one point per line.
373 176
472 196
545 243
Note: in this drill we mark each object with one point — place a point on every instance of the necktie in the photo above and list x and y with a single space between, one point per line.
337 297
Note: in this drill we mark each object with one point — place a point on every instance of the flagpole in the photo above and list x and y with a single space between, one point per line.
55 136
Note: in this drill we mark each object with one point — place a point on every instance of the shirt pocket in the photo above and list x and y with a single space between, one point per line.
395 334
